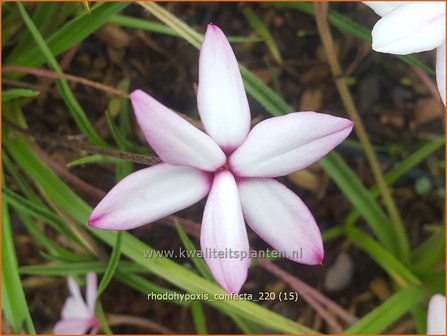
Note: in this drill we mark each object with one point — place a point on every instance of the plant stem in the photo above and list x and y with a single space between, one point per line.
348 102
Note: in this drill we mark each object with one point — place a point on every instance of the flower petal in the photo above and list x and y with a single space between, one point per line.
412 27
221 96
223 236
440 70
436 315
174 139
74 306
91 290
282 145
382 8
73 326
148 195
280 218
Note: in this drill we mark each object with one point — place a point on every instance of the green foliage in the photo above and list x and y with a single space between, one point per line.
392 309
12 94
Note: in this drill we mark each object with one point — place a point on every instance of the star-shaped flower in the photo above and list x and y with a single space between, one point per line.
78 316
234 166
409 27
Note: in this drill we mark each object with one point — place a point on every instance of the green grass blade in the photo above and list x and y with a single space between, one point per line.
259 26
71 33
359 196
112 265
189 246
38 210
12 94
41 16
18 179
14 302
198 317
401 169
94 159
65 90
396 270
155 27
78 268
430 252
102 319
383 316
264 95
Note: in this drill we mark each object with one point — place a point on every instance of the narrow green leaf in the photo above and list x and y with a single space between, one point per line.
86 6
400 170
71 33
42 17
38 210
17 177
65 90
189 246
102 319
121 140
198 317
155 27
14 302
112 265
396 270
12 94
359 196
259 26
78 268
383 316
419 313
94 159
430 252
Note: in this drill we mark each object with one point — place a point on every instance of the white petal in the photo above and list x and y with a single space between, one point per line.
412 27
382 8
223 233
282 145
174 139
440 71
91 291
221 96
280 218
74 306
74 326
436 315
148 195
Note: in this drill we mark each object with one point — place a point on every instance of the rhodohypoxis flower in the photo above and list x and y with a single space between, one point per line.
409 27
436 315
230 164
78 316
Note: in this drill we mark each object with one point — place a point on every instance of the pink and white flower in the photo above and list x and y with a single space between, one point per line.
436 315
234 166
78 316
409 27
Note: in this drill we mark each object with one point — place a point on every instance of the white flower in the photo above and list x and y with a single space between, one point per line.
78 316
409 27
234 166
